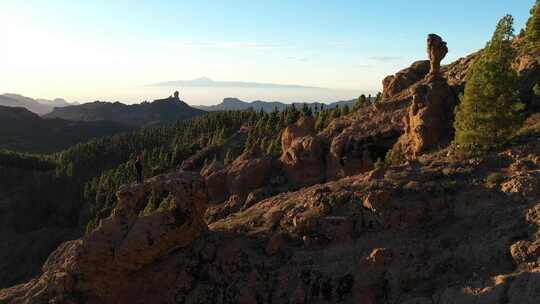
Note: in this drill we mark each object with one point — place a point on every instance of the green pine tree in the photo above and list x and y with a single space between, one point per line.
489 110
533 25
345 110
360 102
378 97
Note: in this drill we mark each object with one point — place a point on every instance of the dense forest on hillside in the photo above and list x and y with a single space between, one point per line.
24 131
82 180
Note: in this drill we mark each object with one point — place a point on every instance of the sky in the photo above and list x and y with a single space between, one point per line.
111 50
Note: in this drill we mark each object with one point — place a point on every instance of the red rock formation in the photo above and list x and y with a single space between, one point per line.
361 239
429 121
303 127
248 172
101 264
428 124
437 50
302 156
395 84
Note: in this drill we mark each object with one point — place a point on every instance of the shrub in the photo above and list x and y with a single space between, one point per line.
495 178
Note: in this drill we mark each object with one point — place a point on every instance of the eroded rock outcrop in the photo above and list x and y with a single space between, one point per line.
437 50
395 84
250 171
428 123
303 153
101 265
393 235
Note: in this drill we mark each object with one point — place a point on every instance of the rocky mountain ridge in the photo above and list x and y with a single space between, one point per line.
229 104
159 111
324 223
38 106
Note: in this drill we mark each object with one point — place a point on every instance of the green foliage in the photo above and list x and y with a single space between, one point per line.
345 110
395 156
362 100
489 112
25 161
378 97
292 115
536 90
23 131
77 187
336 112
306 111
274 148
379 163
532 31
322 120
495 178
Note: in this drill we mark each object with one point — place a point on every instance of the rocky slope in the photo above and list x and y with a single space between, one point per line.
429 231
323 224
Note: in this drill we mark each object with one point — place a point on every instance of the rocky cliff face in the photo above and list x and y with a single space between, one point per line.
419 233
435 229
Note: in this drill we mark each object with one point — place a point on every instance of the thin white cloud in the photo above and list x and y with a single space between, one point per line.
222 45
363 66
384 58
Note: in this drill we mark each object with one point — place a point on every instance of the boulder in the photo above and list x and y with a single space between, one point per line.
430 116
249 171
302 153
216 184
393 85
351 154
523 184
303 127
303 161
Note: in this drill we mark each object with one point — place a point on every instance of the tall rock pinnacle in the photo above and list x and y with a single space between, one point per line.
437 50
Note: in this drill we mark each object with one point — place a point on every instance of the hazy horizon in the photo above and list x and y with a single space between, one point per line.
196 96
103 50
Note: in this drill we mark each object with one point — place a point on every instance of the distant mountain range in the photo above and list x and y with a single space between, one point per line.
25 131
207 82
268 106
159 111
38 106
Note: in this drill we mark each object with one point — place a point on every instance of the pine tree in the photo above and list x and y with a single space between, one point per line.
336 112
292 115
533 25
306 111
378 97
345 110
360 102
489 110
320 123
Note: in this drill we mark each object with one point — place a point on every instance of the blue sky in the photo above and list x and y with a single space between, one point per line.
87 50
